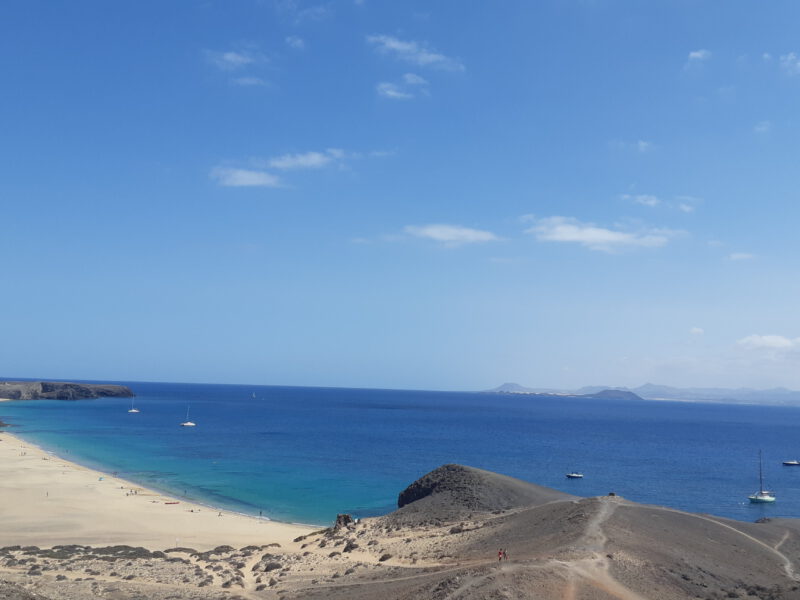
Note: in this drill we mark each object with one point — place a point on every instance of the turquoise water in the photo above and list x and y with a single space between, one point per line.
306 454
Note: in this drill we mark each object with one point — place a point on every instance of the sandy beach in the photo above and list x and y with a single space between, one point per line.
49 501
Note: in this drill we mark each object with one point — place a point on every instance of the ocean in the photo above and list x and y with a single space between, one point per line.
303 455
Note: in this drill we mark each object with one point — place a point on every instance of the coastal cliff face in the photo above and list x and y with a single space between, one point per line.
51 390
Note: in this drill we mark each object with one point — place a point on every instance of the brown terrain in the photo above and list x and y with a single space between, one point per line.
58 390
442 543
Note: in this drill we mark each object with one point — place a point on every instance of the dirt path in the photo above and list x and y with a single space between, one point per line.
594 570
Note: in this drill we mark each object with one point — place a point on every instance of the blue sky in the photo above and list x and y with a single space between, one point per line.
440 195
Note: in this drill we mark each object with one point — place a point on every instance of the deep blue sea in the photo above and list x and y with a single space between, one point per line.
306 454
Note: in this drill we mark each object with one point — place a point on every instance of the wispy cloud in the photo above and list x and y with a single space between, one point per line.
233 177
762 127
790 63
248 81
295 42
697 331
687 204
741 256
594 237
260 171
233 60
393 91
414 79
643 199
411 85
305 160
696 58
297 12
640 146
768 342
418 53
450 235
699 55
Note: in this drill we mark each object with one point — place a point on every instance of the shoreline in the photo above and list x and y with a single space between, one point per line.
48 500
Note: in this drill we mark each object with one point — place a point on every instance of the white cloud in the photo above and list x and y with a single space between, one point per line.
741 256
412 84
295 42
766 56
790 63
248 81
306 160
414 79
687 204
568 229
393 91
230 61
451 235
641 146
299 14
417 53
643 199
770 342
232 177
697 331
762 127
699 55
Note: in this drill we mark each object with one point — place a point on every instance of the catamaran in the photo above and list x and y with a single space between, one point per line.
187 422
133 409
762 496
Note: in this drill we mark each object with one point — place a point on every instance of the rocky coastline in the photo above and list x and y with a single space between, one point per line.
60 390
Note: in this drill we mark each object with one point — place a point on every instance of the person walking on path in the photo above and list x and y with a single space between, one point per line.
505 555
500 555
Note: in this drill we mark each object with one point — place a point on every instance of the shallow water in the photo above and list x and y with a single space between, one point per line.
306 454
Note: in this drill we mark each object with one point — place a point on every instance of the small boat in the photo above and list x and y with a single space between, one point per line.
574 475
133 408
791 463
187 422
762 496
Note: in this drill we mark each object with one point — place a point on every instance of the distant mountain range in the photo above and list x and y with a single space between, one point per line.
599 393
650 391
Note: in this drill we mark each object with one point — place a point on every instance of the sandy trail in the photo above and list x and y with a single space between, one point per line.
594 570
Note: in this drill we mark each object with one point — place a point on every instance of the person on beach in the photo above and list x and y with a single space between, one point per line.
505 555
500 555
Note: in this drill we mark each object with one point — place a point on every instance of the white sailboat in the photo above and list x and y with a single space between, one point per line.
133 408
187 422
762 496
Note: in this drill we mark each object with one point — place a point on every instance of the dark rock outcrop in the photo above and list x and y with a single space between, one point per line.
455 491
51 390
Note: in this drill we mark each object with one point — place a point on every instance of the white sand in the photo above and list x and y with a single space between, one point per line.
46 501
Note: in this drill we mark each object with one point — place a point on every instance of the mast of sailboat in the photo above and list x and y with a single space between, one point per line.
760 474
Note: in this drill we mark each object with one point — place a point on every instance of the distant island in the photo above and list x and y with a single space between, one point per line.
649 391
600 394
56 390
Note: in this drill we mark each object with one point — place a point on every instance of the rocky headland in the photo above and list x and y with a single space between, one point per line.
442 543
55 390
